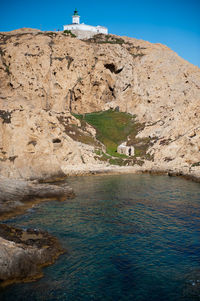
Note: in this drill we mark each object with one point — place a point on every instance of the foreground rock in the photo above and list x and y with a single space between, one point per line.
23 253
17 195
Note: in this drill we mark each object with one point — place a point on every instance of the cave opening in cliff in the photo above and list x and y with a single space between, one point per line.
113 68
56 140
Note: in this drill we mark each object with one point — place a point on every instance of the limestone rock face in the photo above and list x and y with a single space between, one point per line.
45 76
35 144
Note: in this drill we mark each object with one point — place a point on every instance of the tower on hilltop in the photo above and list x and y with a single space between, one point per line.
83 31
75 17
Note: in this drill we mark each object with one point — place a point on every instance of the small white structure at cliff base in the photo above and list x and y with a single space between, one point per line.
82 30
126 150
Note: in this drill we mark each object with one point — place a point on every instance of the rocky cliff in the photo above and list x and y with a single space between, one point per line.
47 76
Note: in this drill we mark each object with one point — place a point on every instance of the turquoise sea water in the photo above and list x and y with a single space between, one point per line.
128 237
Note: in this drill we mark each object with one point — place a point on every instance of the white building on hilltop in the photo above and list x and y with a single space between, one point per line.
83 30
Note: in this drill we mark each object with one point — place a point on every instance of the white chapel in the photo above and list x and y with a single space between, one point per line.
82 30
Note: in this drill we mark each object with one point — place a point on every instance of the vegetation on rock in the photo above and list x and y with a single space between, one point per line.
78 134
106 39
113 128
68 32
46 75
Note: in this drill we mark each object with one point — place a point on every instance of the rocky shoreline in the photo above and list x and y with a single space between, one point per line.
18 195
100 169
24 252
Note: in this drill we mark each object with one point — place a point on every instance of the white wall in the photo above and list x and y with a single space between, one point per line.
95 29
76 19
126 150
102 29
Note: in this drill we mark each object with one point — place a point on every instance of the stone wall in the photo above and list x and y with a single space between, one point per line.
85 31
84 34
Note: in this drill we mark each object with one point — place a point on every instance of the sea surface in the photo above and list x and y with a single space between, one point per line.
128 237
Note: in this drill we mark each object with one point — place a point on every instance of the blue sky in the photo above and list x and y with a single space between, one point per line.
175 23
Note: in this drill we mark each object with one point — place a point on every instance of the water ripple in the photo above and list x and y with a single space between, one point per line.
129 237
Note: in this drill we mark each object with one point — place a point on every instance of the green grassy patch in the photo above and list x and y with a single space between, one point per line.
112 128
